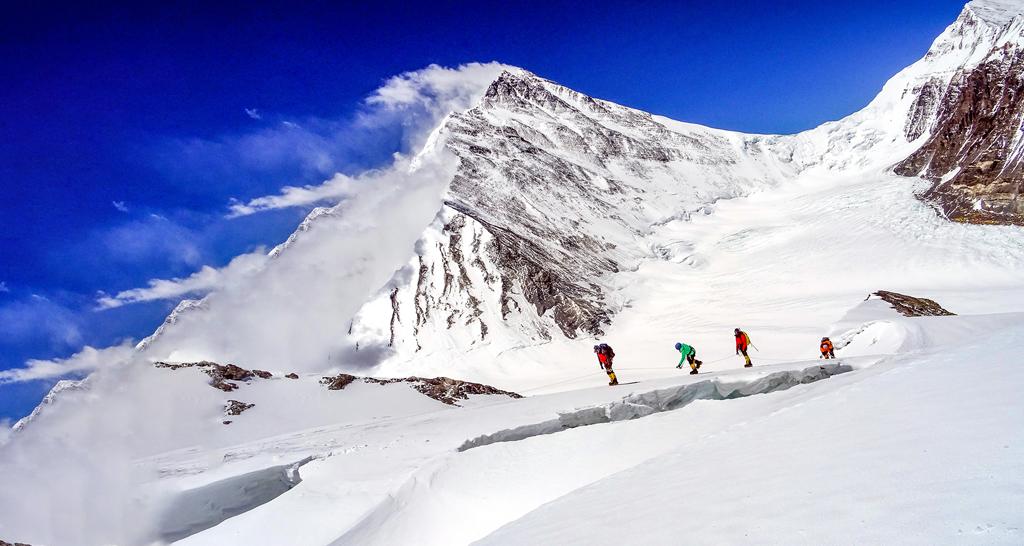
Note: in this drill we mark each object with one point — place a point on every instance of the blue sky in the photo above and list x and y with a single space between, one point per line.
127 131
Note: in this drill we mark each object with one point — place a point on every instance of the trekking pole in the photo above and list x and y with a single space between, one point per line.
754 346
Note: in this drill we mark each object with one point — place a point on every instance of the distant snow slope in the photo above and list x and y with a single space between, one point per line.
532 225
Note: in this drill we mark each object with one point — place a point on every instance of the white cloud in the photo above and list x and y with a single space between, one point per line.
82 362
253 113
203 281
3 287
119 205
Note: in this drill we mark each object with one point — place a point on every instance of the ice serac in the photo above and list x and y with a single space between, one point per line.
973 120
554 194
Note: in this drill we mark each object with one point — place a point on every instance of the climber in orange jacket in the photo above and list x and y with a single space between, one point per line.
742 343
827 349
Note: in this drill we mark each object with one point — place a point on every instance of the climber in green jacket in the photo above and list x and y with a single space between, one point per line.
688 354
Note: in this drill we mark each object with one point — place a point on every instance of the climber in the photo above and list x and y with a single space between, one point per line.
827 350
688 354
605 355
742 342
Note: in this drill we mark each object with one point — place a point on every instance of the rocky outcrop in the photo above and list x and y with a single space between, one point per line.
223 377
5 543
234 407
443 389
338 382
909 306
974 153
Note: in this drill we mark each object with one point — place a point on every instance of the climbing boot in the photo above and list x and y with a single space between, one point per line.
748 365
693 372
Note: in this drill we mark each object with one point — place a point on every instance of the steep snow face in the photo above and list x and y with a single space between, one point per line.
555 193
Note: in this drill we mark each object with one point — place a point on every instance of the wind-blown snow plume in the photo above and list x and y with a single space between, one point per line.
298 306
93 492
418 100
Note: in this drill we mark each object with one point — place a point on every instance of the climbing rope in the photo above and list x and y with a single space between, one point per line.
556 383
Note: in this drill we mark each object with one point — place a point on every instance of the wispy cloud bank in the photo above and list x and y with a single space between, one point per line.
3 287
253 113
80 363
39 320
150 239
203 281
119 205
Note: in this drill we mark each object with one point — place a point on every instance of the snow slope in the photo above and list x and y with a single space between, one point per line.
922 449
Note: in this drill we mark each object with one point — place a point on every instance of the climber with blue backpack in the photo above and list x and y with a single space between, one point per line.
688 354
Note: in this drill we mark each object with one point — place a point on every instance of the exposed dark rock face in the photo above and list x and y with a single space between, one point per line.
442 389
292 375
973 154
4 543
338 382
221 376
929 96
234 407
910 306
